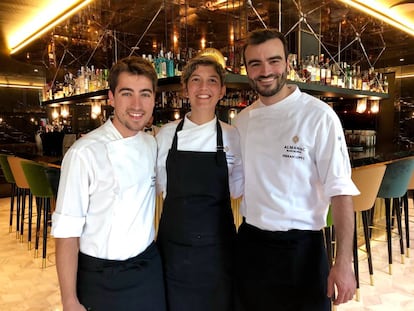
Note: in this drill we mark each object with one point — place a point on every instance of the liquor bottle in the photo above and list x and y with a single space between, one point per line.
81 80
365 81
372 76
317 69
307 69
358 85
322 70
328 72
170 65
335 74
105 76
385 84
341 75
312 69
161 65
348 76
292 67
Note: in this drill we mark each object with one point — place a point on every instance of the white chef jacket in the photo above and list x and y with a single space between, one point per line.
194 137
107 193
295 159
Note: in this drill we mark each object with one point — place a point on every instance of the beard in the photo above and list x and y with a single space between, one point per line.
269 91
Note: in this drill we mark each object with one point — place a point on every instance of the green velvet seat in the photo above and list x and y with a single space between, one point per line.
393 187
43 191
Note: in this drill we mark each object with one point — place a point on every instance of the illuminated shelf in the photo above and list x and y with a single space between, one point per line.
232 81
314 89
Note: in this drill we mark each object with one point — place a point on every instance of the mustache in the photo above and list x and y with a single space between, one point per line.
275 76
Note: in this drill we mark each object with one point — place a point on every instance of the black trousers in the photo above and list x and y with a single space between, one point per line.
283 271
134 284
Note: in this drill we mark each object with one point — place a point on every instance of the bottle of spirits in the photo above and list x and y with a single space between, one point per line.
385 84
328 72
365 81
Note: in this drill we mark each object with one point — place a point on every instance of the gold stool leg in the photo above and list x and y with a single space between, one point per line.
357 294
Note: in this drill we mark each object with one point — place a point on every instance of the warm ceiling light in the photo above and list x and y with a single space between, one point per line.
18 82
404 76
361 105
374 106
50 14
380 10
22 86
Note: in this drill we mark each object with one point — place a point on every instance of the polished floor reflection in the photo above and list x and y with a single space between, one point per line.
25 286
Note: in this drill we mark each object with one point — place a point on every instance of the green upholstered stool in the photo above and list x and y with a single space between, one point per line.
42 190
393 187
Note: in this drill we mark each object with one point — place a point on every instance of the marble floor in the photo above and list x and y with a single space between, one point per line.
25 286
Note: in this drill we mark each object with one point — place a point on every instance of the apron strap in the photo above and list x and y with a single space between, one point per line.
179 128
220 155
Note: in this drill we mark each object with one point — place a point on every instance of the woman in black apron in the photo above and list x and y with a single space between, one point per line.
196 231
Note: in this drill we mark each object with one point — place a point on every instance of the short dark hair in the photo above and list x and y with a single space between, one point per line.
203 60
135 65
259 36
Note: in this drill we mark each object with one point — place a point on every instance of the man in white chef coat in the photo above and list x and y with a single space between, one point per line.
295 164
106 257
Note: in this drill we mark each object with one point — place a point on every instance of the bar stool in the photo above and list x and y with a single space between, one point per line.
368 180
41 188
394 186
8 175
406 214
23 191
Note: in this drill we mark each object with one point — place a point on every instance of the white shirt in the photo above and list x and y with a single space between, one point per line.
295 159
194 137
107 193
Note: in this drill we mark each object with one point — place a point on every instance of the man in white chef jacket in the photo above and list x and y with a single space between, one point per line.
106 257
295 164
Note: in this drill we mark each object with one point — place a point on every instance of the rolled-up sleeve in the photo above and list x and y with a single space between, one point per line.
69 217
333 162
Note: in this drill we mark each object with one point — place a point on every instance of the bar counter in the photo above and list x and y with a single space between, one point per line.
372 156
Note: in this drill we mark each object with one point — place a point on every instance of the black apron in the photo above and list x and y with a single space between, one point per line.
281 270
122 285
197 232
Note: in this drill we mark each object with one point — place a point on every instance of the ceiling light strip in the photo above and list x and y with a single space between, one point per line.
52 23
21 86
404 76
367 8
